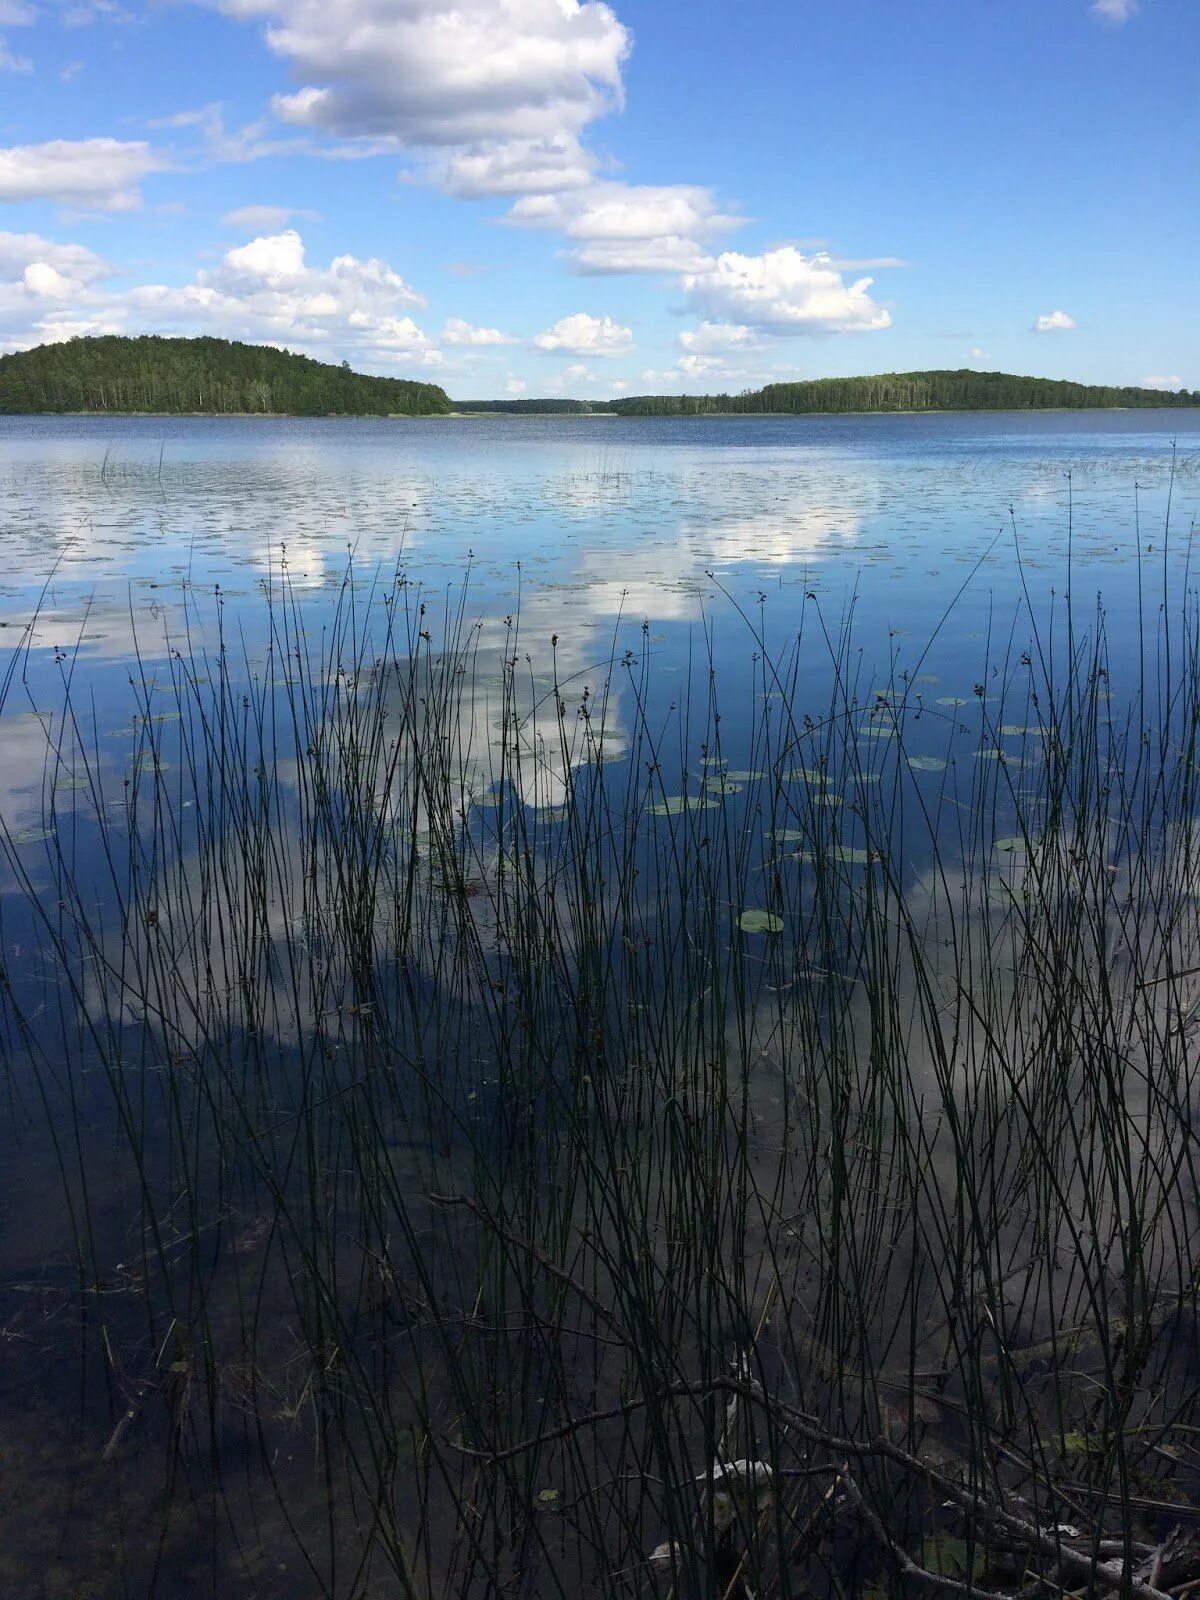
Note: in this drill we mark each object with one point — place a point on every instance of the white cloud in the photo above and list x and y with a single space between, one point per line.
264 219
520 166
720 336
15 14
265 291
18 251
42 287
585 335
103 173
1171 381
623 227
516 386
573 377
783 292
627 211
508 84
1117 11
457 331
1054 322
668 256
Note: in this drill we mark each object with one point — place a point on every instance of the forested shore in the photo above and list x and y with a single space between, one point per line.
150 374
208 376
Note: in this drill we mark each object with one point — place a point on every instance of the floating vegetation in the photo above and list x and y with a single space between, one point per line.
677 805
926 763
758 921
848 855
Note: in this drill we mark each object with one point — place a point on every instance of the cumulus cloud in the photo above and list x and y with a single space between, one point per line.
783 291
720 336
585 335
623 227
519 166
264 219
1117 11
265 291
42 285
19 251
516 386
101 173
1171 381
502 87
457 331
1054 322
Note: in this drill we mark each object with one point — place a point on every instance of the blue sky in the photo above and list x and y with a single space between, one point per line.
568 197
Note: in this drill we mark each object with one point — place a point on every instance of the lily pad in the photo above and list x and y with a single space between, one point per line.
849 855
720 784
675 805
33 834
756 921
926 763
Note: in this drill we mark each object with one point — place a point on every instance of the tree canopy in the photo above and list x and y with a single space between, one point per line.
147 373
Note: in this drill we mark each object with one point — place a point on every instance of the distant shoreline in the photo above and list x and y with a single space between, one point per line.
585 416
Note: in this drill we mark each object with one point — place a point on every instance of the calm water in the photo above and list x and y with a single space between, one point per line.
913 554
120 532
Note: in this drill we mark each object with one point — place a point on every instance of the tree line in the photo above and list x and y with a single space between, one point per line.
961 390
213 376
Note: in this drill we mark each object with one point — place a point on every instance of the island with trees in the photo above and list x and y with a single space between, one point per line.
220 377
961 390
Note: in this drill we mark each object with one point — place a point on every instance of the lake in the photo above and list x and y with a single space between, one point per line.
510 924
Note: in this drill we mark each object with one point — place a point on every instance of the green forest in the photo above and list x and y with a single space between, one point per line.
219 376
214 376
962 390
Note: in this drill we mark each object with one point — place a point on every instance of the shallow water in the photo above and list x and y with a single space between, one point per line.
906 558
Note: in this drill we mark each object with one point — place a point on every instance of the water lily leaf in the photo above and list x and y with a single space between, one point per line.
674 805
33 834
849 855
719 784
1014 846
926 763
950 700
755 921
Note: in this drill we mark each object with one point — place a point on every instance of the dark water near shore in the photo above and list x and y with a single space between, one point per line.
911 559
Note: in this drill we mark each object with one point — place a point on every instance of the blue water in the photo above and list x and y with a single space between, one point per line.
932 536
917 555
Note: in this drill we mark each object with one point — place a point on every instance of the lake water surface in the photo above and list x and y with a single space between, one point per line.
467 758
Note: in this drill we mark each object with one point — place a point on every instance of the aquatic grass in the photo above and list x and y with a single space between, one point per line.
494 1188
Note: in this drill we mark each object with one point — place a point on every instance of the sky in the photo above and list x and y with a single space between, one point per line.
568 197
